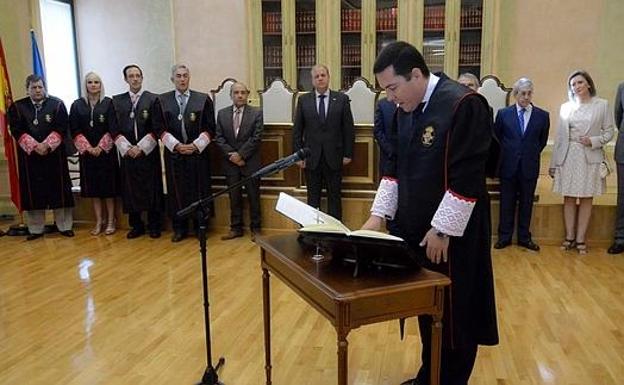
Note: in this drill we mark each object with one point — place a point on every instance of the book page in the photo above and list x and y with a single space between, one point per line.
375 234
305 214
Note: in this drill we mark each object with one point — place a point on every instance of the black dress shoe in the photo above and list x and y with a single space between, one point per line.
32 237
154 234
411 381
177 237
67 233
134 233
529 245
616 248
231 235
502 244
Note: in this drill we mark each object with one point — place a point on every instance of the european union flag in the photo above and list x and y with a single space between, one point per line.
37 62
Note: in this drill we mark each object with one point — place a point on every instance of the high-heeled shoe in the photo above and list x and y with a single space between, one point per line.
110 228
97 230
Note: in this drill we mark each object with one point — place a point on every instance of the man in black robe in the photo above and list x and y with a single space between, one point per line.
136 138
187 129
38 124
439 195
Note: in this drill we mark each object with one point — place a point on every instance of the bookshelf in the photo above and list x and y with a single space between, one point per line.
470 25
347 35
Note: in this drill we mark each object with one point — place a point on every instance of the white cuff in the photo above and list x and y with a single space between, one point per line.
202 141
147 144
122 145
386 199
169 141
453 214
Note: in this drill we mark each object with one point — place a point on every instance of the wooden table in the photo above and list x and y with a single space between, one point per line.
348 302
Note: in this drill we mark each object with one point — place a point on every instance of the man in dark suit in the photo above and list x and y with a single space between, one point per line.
188 126
523 132
618 244
136 139
324 124
239 134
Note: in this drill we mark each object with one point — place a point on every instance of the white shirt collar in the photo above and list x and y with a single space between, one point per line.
326 93
527 108
433 81
138 94
187 93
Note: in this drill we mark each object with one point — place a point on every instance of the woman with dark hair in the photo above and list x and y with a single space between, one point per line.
91 119
585 126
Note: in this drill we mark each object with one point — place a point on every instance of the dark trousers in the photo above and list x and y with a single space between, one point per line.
516 191
619 216
252 189
332 179
153 220
455 364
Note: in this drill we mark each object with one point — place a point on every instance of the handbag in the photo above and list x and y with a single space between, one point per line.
604 169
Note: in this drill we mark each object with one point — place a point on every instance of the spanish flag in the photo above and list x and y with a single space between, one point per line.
9 144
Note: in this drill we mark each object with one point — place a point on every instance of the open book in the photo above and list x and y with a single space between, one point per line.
316 221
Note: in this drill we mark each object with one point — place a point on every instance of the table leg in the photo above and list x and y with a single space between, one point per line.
343 357
266 306
436 339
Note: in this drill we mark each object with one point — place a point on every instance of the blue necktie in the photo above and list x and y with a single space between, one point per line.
521 120
321 111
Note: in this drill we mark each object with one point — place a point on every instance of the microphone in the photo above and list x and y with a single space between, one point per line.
283 163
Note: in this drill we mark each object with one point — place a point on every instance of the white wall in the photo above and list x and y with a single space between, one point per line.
114 33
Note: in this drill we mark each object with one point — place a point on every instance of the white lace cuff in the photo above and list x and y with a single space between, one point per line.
202 141
147 144
169 141
53 140
453 214
386 199
27 143
123 145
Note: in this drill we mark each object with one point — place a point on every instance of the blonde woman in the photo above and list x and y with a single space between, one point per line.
585 126
91 118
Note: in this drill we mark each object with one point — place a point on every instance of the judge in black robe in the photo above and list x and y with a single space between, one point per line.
187 129
38 123
441 201
136 139
92 119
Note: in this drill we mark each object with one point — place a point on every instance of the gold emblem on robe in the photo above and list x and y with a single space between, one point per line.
101 118
145 114
428 136
48 118
193 117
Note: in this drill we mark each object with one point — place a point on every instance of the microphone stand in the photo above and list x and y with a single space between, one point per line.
202 210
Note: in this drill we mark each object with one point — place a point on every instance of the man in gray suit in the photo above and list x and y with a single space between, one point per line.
618 244
239 134
324 124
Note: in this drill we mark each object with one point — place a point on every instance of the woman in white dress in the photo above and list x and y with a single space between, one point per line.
585 126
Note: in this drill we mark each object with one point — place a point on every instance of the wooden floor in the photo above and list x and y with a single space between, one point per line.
105 310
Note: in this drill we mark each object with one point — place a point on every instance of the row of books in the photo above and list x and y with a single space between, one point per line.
351 20
434 56
272 22
272 55
471 17
348 80
306 56
434 17
469 53
305 21
351 55
386 19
